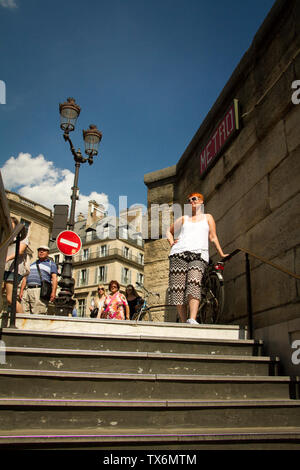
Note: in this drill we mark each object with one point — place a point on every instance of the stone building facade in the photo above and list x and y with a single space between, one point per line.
112 249
251 186
37 218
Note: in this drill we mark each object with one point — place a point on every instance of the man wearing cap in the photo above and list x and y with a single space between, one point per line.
31 285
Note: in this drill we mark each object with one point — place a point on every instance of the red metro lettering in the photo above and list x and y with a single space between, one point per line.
219 137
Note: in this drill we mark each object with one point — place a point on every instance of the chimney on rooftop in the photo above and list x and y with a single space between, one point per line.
95 212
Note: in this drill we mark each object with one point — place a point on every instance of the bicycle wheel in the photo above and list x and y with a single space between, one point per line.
212 305
144 314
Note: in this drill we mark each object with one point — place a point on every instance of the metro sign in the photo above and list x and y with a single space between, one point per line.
221 135
68 243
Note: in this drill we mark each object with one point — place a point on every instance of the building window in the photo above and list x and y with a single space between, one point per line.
141 258
126 252
81 307
106 231
126 276
90 235
101 274
123 232
140 279
139 240
103 250
85 254
83 277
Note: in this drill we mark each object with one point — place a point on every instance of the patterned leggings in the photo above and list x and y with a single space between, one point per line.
185 277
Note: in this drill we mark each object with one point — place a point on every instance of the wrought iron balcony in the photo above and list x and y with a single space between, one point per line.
110 253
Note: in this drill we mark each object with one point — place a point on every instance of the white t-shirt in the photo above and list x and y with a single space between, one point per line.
193 237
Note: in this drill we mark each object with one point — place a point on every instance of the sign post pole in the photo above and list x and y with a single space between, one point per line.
68 243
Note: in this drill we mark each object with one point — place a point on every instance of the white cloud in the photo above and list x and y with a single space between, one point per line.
26 170
39 180
8 3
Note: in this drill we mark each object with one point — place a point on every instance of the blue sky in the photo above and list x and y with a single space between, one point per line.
145 72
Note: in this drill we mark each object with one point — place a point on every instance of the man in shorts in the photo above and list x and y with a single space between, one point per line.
31 285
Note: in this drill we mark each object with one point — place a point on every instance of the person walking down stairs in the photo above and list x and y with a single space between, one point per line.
189 256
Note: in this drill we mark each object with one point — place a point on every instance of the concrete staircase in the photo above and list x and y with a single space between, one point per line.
84 383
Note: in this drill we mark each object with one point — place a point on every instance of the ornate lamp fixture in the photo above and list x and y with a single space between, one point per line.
69 112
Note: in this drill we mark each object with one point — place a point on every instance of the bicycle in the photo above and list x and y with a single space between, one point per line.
212 300
145 309
213 294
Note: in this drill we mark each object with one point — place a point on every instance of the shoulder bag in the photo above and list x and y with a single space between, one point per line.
94 312
46 287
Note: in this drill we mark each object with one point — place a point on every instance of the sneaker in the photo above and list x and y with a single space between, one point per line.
192 321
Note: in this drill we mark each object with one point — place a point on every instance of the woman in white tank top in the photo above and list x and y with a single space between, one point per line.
189 256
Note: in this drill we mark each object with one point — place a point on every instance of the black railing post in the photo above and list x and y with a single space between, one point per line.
12 323
249 298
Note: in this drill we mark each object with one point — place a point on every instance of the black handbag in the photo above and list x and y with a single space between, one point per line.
46 287
94 312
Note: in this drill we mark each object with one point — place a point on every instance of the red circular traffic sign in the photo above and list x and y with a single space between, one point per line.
68 243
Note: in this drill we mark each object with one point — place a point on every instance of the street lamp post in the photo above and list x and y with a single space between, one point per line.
69 112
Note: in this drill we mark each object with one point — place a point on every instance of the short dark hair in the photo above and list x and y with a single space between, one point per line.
114 282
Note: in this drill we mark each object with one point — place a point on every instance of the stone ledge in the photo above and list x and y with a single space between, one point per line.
159 175
126 327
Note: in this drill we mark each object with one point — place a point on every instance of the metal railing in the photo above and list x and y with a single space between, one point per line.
112 234
93 255
248 280
15 234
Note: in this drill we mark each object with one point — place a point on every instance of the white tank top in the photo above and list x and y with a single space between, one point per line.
193 237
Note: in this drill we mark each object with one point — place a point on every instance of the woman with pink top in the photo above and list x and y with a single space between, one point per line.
115 305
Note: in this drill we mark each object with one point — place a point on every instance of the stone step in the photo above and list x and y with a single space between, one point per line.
76 385
138 362
140 343
157 414
118 327
242 438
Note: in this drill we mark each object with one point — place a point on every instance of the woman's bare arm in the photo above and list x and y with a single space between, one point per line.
213 235
175 227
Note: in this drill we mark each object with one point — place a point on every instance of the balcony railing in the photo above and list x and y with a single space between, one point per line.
108 254
112 234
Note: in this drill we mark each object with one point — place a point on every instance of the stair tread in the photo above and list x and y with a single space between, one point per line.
51 402
150 377
163 324
130 337
133 433
95 415
91 352
62 324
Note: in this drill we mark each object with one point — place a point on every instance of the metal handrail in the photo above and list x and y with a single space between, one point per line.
248 280
15 234
276 266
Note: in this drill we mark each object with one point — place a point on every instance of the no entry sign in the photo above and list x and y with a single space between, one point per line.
68 243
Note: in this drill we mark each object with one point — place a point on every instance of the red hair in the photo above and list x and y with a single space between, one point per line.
199 195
